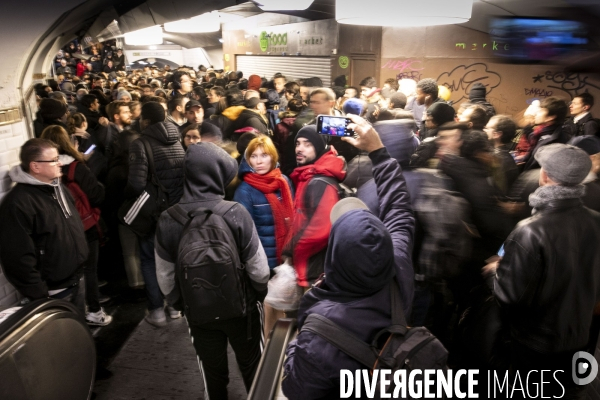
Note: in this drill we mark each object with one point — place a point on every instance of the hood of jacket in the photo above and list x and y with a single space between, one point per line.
232 113
65 159
208 170
17 175
329 164
165 132
357 265
244 169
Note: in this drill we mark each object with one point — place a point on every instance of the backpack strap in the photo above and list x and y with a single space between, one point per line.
398 319
329 181
178 214
71 174
150 158
223 207
342 339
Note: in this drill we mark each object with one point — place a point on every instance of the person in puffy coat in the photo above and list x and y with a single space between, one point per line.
268 197
168 153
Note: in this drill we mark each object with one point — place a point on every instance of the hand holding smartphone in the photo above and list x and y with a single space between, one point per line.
334 126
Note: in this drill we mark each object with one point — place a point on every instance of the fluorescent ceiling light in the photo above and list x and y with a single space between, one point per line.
403 13
207 22
145 37
281 5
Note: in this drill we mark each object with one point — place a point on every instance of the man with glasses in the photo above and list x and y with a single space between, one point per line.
41 246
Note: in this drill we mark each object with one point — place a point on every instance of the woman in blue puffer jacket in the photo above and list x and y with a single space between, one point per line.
267 195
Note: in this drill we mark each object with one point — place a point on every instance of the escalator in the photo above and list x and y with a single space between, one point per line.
267 382
46 352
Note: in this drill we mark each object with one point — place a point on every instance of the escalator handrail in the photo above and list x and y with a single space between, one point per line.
29 310
268 372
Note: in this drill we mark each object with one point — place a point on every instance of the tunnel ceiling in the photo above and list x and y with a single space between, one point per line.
95 18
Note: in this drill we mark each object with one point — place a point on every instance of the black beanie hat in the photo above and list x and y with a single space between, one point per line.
153 111
478 91
51 109
309 132
441 113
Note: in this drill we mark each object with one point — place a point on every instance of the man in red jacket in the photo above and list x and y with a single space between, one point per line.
317 180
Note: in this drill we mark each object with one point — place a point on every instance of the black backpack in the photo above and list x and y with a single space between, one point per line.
404 348
210 274
343 190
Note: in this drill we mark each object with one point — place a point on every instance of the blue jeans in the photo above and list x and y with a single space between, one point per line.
155 298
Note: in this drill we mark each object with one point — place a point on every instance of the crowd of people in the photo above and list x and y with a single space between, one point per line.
485 222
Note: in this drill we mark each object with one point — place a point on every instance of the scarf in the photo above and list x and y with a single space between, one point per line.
534 137
283 211
545 194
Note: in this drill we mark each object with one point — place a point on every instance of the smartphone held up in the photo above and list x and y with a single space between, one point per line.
334 126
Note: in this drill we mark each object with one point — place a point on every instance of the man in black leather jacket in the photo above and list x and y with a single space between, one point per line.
548 281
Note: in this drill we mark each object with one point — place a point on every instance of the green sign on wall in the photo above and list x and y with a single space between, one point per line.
344 62
264 41
273 40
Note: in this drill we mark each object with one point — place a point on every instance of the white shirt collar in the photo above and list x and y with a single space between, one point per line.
577 118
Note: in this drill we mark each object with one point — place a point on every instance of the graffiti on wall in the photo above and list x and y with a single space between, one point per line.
571 84
405 69
463 77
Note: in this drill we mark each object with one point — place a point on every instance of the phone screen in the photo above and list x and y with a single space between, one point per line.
334 126
501 251
90 149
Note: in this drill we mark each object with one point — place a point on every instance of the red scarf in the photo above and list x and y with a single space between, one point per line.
283 211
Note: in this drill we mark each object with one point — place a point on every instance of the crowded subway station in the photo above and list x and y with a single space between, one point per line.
390 199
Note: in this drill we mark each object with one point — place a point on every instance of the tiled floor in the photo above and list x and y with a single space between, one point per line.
160 364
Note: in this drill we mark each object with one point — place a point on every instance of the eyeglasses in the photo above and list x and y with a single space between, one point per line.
55 160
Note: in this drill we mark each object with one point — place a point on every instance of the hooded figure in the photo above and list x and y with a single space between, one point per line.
364 256
208 170
477 96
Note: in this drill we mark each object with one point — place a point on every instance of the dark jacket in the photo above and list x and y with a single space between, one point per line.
41 246
92 117
225 120
209 170
168 161
585 126
506 171
259 209
548 281
591 199
359 268
550 134
39 124
248 118
471 179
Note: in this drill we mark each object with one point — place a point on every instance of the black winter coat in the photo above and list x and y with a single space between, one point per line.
471 179
41 246
168 161
248 118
